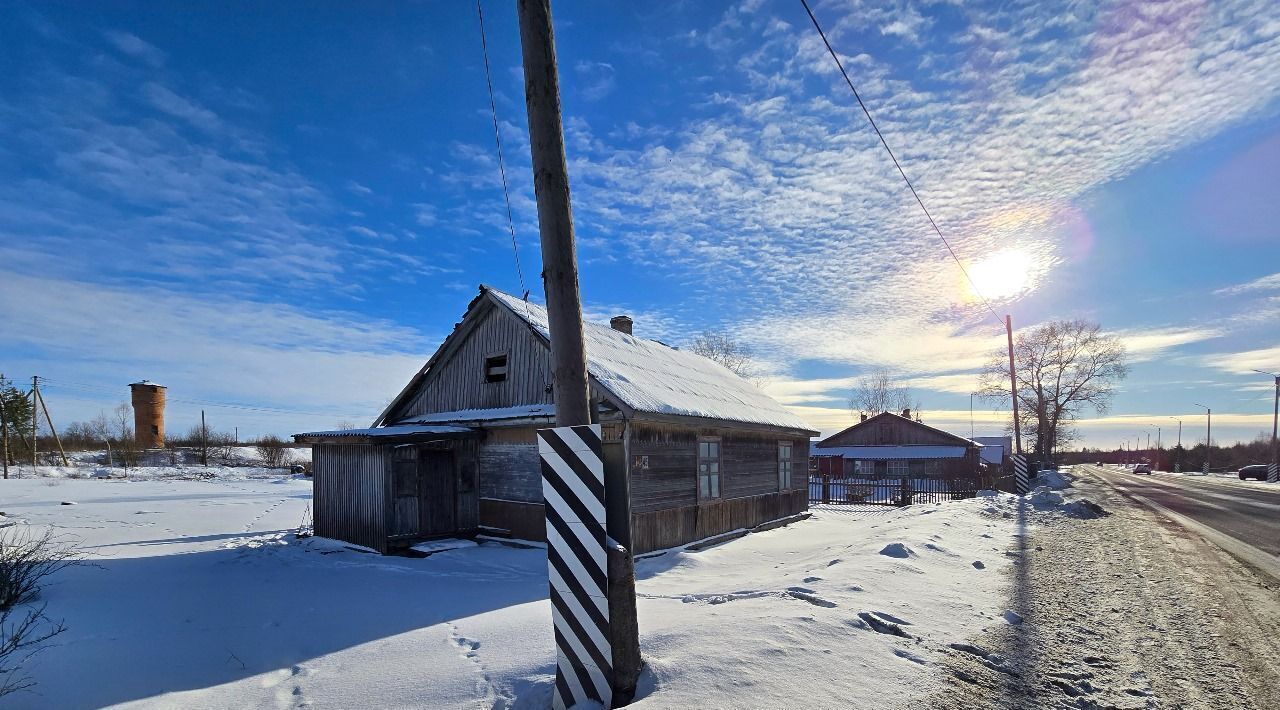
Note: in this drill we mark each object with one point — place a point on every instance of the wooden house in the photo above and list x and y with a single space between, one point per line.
455 453
895 445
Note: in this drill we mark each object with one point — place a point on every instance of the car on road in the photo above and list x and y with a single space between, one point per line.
1258 471
1142 468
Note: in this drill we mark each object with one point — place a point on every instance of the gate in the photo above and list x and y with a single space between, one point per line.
828 483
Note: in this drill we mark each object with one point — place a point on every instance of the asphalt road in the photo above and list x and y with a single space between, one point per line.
1246 512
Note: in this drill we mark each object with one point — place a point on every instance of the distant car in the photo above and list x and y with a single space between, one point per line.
1258 471
1142 468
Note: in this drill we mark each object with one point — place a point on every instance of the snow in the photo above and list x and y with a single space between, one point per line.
201 596
883 453
397 430
649 376
524 411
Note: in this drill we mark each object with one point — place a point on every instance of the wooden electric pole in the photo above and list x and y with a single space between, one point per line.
52 429
555 214
571 388
35 431
1013 388
204 441
4 430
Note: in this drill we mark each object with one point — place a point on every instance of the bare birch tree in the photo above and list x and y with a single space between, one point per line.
1064 367
879 392
728 351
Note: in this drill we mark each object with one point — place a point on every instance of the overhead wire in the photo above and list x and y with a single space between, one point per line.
896 164
497 140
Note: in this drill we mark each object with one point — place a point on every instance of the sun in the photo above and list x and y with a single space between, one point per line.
1002 275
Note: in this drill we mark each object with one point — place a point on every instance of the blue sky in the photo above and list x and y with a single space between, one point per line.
287 207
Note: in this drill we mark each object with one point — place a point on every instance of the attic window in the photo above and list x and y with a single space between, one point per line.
495 368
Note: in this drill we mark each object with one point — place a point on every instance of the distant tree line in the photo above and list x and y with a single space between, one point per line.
1223 458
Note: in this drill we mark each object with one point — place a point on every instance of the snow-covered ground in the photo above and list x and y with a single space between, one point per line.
201 596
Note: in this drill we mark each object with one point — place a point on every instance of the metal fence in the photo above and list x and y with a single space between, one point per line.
890 490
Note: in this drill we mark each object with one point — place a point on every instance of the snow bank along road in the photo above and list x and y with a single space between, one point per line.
202 597
1133 610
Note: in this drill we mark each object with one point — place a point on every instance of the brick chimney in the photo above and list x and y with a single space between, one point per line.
864 416
622 324
907 413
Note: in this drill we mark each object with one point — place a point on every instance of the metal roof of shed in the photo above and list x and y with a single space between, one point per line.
886 453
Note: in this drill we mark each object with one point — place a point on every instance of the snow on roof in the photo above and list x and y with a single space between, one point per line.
884 453
396 430
526 411
648 376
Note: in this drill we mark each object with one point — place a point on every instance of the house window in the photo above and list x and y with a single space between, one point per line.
708 469
495 368
784 466
899 468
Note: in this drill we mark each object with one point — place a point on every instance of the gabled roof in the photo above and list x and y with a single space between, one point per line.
959 440
645 376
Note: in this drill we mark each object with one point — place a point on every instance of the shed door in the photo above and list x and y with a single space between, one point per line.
439 492
405 492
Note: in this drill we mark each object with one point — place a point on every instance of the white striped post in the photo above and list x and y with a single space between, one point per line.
1020 474
573 497
1273 472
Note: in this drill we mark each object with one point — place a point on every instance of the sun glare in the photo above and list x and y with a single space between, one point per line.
1001 275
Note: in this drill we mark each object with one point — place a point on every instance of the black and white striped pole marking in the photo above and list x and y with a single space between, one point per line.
1020 474
1273 472
573 496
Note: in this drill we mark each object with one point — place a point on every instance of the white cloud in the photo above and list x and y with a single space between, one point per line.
135 46
168 101
1262 284
1245 362
1146 344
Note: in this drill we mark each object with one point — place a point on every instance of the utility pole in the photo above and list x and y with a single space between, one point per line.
35 431
971 416
52 429
1013 387
1159 448
1275 421
204 441
570 387
4 425
1208 437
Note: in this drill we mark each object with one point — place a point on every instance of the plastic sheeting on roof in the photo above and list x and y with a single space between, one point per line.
885 453
529 411
651 377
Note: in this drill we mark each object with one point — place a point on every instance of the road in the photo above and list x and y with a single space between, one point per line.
1245 515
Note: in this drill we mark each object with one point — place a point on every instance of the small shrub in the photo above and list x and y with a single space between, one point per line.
26 558
20 639
273 452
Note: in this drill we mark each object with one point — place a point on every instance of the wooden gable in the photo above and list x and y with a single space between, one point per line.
889 429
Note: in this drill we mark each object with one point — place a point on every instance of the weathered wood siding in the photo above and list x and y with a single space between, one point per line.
350 493
457 380
510 471
891 431
658 529
748 464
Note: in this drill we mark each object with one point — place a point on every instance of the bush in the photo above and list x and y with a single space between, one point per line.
26 558
21 639
273 452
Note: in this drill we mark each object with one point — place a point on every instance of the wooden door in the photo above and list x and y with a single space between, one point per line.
439 492
405 492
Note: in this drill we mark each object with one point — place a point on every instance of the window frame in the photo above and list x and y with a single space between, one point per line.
486 366
786 466
709 468
903 464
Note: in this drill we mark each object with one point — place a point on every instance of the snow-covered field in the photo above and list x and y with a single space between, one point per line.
201 596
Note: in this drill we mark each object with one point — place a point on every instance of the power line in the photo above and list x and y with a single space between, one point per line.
896 164
497 139
98 389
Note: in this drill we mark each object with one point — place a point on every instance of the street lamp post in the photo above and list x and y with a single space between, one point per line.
1275 419
1177 465
1208 437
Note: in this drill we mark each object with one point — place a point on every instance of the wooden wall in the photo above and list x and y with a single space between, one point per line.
350 493
658 529
748 464
457 381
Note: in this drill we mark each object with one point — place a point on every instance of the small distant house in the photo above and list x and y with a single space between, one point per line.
890 444
455 453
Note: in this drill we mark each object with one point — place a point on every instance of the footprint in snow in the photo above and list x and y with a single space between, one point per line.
903 653
834 562
810 580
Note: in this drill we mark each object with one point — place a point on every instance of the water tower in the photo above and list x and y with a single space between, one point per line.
148 414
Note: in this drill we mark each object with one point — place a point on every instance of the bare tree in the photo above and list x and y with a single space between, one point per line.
121 423
273 452
723 348
26 559
879 392
1063 368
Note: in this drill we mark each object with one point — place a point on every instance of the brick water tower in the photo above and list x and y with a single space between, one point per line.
148 414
